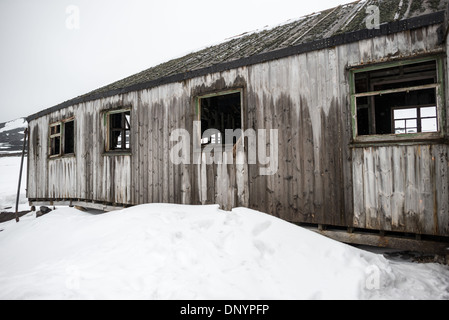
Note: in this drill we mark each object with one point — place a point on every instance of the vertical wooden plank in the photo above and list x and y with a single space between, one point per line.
232 186
186 119
96 152
329 144
271 183
296 174
370 189
384 187
442 189
127 195
398 163
308 163
335 142
150 144
44 186
257 183
359 187
241 177
223 183
153 146
412 197
142 151
156 146
138 148
427 190
176 173
291 190
346 134
315 110
203 179
172 110
305 137
165 142
161 148
80 128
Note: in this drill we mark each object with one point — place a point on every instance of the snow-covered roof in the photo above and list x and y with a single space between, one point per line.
337 26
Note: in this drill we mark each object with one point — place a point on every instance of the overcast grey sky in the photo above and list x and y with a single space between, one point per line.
46 57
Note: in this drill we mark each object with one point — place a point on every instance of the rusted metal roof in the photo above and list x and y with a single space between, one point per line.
336 26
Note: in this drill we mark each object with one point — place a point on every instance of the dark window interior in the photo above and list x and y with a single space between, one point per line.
55 146
375 113
120 131
55 129
220 113
69 137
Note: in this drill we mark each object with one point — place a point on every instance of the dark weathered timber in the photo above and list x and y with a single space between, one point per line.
387 241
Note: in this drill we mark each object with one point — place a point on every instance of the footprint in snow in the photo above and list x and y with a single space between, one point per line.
259 229
177 237
263 248
204 225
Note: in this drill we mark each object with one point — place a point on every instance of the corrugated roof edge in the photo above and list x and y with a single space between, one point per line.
341 39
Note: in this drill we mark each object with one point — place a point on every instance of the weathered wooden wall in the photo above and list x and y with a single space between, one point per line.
321 179
402 188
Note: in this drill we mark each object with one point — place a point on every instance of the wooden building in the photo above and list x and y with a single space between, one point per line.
361 112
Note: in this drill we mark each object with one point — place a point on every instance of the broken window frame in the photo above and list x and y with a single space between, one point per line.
124 130
62 137
198 111
55 135
393 137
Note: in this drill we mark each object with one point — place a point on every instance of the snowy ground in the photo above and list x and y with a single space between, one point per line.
193 252
9 179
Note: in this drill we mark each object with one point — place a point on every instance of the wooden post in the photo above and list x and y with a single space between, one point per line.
20 174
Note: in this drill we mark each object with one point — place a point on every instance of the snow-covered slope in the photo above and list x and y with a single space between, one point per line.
11 136
9 179
195 252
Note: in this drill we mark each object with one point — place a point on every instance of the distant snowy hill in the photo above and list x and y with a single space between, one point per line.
11 136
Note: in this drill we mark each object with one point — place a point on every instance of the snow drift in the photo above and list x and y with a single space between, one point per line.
195 252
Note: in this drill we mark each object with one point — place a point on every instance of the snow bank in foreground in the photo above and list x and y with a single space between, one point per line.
191 252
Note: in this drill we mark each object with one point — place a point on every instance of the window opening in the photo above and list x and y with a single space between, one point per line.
220 113
120 131
397 100
69 137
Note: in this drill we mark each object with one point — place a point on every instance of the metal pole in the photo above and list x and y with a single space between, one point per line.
20 175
